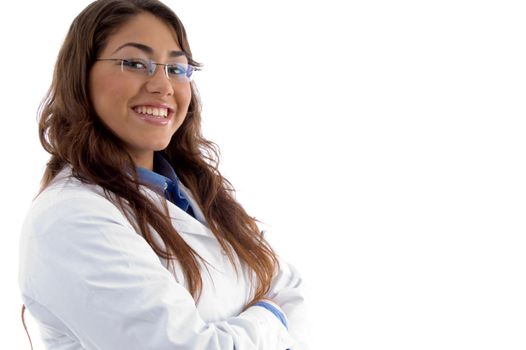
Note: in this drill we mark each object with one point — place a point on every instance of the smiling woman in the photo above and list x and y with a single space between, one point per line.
134 228
130 96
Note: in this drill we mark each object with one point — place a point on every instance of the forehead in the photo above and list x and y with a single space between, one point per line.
145 29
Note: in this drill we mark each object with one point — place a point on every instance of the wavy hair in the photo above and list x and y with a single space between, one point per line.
74 135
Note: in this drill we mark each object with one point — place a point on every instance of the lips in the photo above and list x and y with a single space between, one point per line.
156 114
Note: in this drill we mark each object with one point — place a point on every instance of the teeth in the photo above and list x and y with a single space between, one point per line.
153 111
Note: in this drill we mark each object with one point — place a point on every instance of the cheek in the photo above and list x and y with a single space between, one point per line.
183 96
99 89
109 98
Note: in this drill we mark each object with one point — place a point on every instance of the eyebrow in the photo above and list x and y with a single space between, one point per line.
149 50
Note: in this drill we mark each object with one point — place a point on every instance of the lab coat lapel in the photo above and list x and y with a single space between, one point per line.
195 207
185 223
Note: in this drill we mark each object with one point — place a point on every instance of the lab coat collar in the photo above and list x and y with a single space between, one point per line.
183 222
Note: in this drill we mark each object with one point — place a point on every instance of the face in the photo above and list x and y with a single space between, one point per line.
143 111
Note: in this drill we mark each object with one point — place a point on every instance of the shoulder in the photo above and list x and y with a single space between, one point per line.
76 241
68 202
71 230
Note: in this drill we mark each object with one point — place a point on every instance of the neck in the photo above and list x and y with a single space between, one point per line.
143 160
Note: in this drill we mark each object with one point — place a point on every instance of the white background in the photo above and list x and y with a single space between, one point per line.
382 142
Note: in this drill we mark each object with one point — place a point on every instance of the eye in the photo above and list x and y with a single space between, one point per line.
178 69
134 64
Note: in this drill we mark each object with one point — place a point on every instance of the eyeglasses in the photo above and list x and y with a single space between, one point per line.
178 72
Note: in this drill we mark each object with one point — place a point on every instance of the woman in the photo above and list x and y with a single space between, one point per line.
120 252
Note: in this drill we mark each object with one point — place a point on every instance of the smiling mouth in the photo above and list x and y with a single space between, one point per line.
155 112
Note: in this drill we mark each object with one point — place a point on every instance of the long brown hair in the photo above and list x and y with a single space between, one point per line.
74 135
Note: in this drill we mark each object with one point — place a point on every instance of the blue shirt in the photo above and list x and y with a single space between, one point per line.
164 180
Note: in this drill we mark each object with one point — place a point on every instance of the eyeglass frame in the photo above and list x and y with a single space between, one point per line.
151 66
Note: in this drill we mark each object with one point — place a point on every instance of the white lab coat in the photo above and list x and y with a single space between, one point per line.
92 282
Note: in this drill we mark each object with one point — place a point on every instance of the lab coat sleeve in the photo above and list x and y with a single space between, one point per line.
86 264
286 292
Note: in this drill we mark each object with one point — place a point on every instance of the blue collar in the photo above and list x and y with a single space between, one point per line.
164 180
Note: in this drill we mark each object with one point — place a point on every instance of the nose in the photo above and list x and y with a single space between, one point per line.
158 83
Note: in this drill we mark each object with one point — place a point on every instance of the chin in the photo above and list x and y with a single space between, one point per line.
160 146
